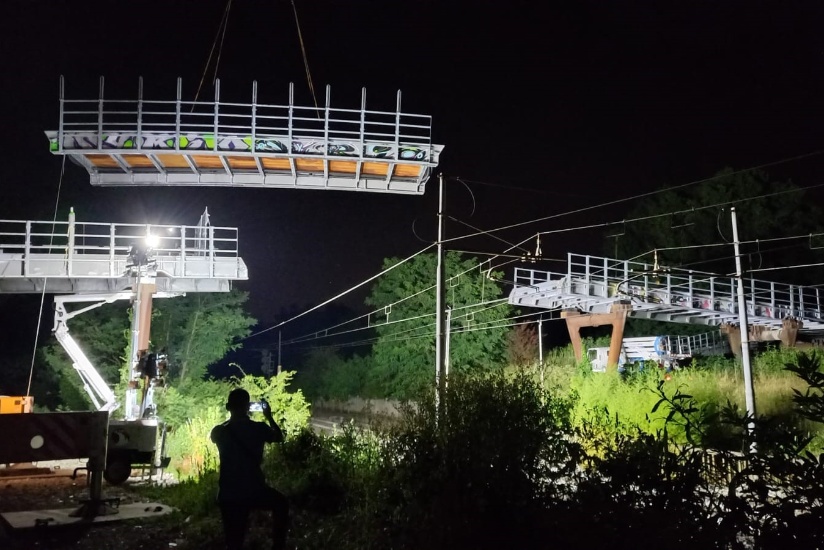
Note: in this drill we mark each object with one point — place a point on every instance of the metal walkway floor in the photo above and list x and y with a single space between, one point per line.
81 257
592 284
220 143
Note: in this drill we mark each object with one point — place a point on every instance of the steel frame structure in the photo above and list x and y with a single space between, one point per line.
221 143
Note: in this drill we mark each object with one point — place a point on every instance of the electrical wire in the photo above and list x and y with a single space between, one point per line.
45 279
344 293
651 193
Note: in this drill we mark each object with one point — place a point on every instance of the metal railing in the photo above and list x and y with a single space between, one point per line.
88 249
609 279
223 125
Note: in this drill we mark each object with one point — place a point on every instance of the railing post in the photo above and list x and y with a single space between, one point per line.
363 123
326 119
182 250
211 251
62 109
291 113
100 117
139 113
27 250
606 278
801 301
792 299
177 112
712 293
689 289
111 250
254 113
217 102
398 128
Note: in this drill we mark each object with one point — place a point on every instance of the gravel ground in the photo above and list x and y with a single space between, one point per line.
60 491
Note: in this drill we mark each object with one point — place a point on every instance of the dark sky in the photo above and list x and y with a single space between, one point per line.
562 105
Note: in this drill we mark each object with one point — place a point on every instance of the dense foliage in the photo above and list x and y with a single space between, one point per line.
196 331
402 357
497 462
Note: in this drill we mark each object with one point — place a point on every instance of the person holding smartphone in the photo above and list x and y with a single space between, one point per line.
242 486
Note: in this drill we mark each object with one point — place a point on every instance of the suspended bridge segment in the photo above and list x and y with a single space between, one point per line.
90 258
597 291
141 142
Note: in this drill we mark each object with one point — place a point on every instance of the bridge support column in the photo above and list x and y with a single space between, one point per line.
733 333
617 317
789 332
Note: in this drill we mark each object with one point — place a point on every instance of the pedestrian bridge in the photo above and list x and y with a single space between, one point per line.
140 142
82 257
593 284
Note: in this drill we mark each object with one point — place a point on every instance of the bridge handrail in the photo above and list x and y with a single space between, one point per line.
255 121
90 243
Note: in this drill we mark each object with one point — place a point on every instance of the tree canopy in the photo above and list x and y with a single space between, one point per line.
196 331
697 239
403 357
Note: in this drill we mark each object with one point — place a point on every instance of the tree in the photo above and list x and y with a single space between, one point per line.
773 216
196 331
522 345
199 330
404 354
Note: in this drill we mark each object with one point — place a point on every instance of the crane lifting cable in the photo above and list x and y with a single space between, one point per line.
217 43
305 58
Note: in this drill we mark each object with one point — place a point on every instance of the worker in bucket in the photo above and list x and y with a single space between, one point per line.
242 487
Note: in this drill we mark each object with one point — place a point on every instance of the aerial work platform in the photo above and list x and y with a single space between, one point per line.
593 285
82 257
217 143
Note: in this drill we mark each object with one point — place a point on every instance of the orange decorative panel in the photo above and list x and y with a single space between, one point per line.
173 161
407 171
208 161
375 168
103 161
242 163
275 163
343 166
309 165
138 161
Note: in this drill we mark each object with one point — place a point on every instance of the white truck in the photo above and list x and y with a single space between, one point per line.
668 351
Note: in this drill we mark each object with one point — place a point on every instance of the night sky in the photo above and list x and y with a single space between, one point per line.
559 105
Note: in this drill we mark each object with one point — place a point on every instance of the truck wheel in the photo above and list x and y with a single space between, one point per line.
118 469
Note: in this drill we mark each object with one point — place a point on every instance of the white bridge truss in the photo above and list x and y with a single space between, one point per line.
592 284
81 257
224 143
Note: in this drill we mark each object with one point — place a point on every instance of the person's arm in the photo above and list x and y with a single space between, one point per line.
277 433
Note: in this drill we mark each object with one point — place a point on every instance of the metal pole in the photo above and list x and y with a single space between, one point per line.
447 339
745 337
541 349
439 286
279 363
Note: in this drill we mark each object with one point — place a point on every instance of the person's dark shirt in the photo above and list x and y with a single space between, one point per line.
240 442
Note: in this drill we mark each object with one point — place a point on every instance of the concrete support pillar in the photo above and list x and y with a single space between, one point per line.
789 332
617 317
733 333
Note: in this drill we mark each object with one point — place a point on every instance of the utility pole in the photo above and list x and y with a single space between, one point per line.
439 299
279 363
541 349
745 332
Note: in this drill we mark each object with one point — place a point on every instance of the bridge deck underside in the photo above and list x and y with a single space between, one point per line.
88 273
679 297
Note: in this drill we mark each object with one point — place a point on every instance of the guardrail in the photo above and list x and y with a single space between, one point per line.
223 125
89 249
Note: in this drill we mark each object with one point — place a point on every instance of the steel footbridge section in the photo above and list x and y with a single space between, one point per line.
140 142
593 284
88 258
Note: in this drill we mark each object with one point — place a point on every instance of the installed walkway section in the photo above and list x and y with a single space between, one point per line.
81 257
219 143
595 285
